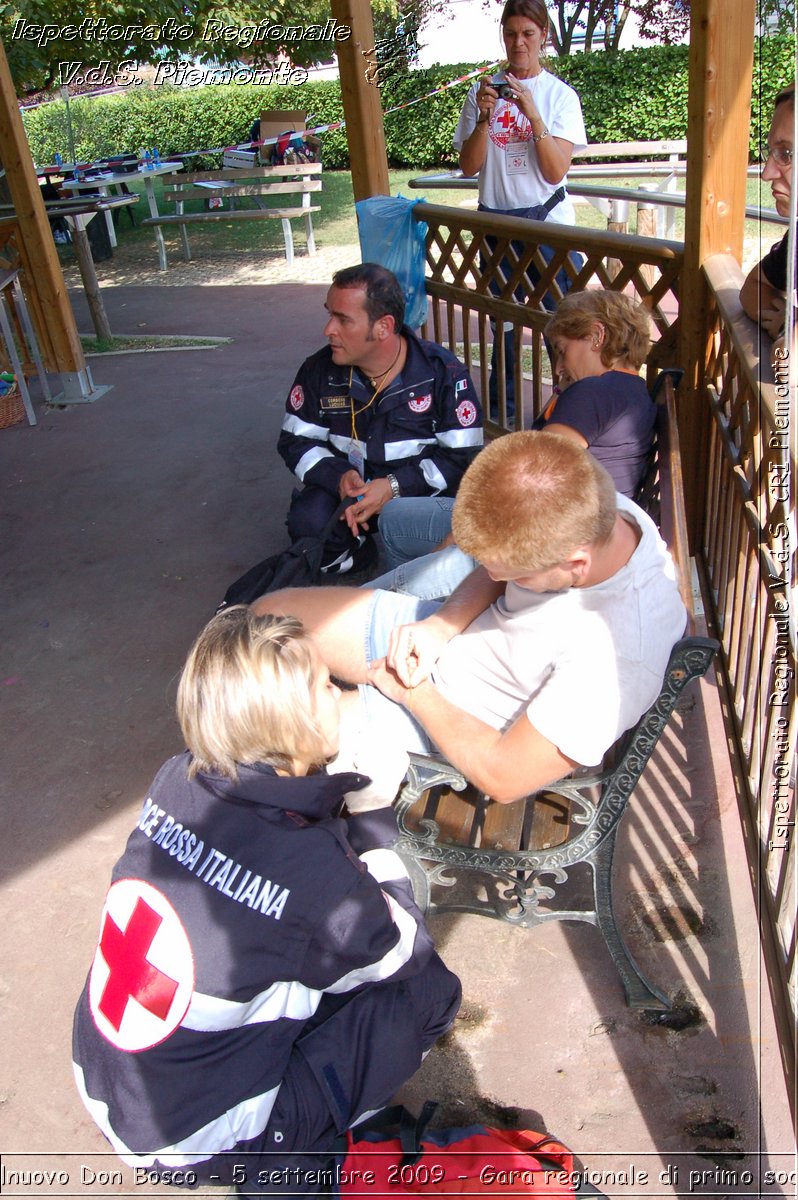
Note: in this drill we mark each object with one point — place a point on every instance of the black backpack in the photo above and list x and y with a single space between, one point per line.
298 566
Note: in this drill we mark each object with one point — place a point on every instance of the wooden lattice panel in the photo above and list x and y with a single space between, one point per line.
483 269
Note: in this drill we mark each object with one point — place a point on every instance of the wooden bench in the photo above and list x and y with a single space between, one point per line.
254 183
452 836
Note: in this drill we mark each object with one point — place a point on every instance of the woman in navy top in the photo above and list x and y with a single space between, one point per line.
600 341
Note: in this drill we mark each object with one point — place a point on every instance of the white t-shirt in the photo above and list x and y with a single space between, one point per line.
583 664
510 176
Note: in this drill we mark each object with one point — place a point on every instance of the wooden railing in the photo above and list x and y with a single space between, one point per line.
482 267
748 558
748 543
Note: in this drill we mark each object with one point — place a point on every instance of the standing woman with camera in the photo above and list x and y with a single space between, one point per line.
517 132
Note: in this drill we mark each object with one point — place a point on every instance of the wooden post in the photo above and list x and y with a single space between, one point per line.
57 334
362 101
618 222
647 227
99 317
718 118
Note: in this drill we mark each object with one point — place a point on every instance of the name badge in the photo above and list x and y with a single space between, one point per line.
515 158
357 458
333 403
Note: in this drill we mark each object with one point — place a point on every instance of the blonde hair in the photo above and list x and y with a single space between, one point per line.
627 332
246 694
528 500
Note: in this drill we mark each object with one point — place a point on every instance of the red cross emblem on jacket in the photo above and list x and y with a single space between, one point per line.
142 977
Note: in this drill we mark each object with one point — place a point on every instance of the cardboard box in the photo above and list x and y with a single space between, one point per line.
275 121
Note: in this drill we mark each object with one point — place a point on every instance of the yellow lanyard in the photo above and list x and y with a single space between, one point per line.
377 391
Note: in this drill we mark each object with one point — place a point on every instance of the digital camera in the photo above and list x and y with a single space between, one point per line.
503 89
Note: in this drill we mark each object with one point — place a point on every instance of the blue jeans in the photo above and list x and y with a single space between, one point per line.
432 577
414 525
410 528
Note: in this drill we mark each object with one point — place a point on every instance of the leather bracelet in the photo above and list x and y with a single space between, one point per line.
483 120
394 482
538 137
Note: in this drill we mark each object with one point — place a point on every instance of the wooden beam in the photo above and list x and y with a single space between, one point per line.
57 333
718 120
362 101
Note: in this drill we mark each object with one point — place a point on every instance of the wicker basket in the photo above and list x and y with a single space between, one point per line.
12 409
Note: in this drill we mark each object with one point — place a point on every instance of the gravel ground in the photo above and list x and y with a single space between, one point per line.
128 267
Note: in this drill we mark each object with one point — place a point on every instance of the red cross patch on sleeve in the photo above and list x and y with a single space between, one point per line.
466 412
142 977
297 397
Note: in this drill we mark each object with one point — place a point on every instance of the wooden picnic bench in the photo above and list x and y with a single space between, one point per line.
255 183
506 861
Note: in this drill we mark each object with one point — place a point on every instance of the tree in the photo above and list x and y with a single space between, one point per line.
668 21
599 21
40 35
598 24
664 21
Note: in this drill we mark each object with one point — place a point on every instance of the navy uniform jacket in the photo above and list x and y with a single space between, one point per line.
424 428
233 912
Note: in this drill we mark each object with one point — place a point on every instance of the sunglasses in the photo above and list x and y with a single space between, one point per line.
781 155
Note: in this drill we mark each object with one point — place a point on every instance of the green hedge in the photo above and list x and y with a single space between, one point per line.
632 95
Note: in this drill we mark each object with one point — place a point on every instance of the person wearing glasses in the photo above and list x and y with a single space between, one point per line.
764 293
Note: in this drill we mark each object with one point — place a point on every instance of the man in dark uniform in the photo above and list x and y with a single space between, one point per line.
377 414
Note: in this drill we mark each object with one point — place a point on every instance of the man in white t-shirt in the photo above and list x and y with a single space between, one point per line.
552 648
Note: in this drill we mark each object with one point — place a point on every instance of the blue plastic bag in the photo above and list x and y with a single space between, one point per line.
390 236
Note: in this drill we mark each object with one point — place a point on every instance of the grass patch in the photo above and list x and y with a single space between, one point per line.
526 359
145 341
336 223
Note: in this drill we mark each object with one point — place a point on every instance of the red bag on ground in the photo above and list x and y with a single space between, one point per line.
397 1155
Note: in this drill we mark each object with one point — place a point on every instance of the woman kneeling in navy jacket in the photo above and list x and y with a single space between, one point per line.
262 976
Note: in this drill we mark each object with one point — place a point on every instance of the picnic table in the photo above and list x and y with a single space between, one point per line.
102 182
77 212
294 182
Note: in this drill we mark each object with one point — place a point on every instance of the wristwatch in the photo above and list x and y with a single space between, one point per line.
394 482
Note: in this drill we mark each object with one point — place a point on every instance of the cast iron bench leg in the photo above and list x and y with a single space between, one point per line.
639 992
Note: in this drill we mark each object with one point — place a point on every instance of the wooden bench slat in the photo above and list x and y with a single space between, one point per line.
503 826
208 176
458 814
245 214
299 187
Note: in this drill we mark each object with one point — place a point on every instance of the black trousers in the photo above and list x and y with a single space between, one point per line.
351 1058
311 508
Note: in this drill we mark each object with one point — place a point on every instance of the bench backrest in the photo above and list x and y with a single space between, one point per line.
661 492
297 179
297 171
628 149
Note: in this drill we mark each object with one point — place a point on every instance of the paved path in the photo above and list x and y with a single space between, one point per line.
123 522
